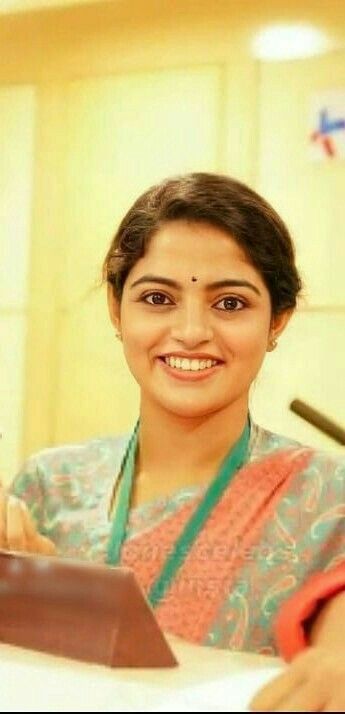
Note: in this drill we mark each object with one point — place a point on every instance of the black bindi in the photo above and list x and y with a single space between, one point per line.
194 280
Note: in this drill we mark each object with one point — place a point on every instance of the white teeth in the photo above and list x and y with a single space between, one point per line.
192 365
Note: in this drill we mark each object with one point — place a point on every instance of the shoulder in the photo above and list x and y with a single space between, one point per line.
95 456
92 452
326 464
264 442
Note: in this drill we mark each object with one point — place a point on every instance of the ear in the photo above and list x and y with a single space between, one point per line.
277 327
114 308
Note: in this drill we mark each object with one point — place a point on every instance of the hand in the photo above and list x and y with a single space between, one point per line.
313 682
18 530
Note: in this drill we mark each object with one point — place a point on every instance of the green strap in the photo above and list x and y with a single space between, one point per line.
230 465
233 461
119 525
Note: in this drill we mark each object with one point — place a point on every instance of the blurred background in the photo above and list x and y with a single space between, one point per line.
98 100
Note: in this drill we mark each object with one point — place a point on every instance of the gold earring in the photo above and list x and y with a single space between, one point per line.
272 344
118 334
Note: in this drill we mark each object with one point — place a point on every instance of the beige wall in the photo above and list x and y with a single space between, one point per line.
129 104
309 365
17 125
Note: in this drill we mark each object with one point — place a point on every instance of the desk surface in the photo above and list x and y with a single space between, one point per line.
205 680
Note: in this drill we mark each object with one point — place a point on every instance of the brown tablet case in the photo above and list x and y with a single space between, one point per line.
94 613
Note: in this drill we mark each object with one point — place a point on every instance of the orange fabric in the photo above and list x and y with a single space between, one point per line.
207 574
290 624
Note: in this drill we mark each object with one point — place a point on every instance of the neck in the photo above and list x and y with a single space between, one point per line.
177 451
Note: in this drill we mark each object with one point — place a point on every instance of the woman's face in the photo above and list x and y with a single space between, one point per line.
195 318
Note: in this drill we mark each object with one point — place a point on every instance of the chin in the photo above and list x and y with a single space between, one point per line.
191 411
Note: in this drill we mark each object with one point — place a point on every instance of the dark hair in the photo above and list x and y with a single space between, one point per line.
220 201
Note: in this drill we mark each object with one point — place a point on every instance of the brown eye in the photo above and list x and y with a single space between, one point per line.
230 304
157 299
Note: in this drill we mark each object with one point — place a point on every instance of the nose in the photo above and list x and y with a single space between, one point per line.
191 325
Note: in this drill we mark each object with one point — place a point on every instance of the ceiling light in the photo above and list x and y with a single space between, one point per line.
284 42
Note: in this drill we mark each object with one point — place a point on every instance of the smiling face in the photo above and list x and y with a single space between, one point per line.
195 318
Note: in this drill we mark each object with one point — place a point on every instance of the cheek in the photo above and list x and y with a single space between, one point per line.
142 328
139 339
248 339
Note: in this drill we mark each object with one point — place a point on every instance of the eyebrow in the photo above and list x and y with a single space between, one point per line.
160 280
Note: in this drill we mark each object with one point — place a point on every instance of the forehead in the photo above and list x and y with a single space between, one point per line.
181 249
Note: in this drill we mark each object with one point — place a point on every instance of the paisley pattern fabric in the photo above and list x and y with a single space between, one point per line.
280 520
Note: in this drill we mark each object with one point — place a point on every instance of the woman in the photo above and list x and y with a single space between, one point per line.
236 534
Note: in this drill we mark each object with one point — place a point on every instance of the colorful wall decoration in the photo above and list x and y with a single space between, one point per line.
327 136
